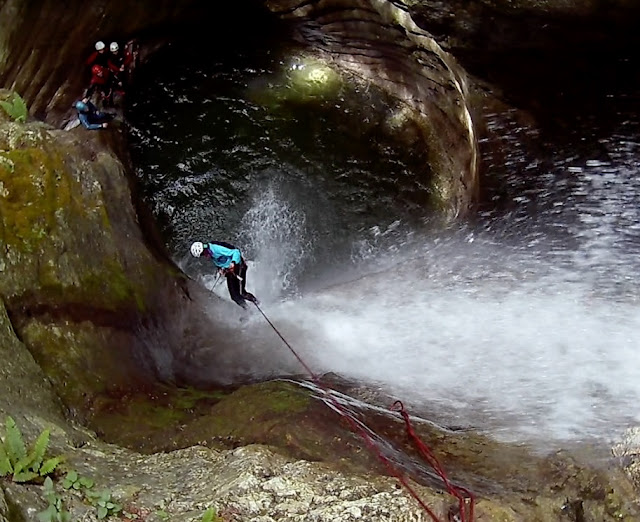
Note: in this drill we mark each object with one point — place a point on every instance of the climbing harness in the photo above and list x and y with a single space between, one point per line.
465 498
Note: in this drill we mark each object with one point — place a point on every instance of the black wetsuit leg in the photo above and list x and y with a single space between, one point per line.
242 272
234 286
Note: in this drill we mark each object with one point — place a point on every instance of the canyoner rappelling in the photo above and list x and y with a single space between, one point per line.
230 263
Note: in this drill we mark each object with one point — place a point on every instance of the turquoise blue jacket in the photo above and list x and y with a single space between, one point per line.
223 254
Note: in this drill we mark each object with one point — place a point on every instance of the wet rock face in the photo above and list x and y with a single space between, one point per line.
379 42
23 385
398 45
4 509
76 276
76 280
490 25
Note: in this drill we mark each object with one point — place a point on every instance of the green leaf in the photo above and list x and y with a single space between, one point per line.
23 465
209 515
49 490
39 450
16 108
14 443
8 107
5 464
48 515
86 482
49 466
24 476
20 108
102 512
71 475
48 485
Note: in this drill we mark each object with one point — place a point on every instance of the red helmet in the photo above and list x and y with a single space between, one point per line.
97 70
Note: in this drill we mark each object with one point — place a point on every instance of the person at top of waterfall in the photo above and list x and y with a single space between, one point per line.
119 62
231 264
90 116
99 56
100 82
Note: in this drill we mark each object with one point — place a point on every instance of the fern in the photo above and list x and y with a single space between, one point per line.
16 108
15 460
14 442
49 466
34 458
24 476
5 464
39 449
21 108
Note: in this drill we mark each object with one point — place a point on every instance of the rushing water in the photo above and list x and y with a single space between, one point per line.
523 322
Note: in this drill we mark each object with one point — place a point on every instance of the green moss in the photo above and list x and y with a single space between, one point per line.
29 203
153 421
188 398
41 198
263 400
156 417
112 283
66 358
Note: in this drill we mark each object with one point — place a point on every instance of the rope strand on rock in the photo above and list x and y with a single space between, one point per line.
460 493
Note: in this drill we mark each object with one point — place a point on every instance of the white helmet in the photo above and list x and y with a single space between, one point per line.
196 249
114 47
99 45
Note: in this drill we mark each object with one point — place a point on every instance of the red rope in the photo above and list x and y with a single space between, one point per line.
460 493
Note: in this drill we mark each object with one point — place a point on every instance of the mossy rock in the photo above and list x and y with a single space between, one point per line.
78 278
60 245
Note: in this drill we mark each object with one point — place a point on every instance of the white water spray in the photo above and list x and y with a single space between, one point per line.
475 333
275 236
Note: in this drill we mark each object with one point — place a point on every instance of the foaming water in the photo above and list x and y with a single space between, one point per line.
529 359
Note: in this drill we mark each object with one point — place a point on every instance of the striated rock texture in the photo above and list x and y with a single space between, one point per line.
43 49
481 26
378 41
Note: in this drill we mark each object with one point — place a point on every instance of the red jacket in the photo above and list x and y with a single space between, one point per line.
99 58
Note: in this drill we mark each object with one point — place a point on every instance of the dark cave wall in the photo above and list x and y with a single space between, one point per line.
44 43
